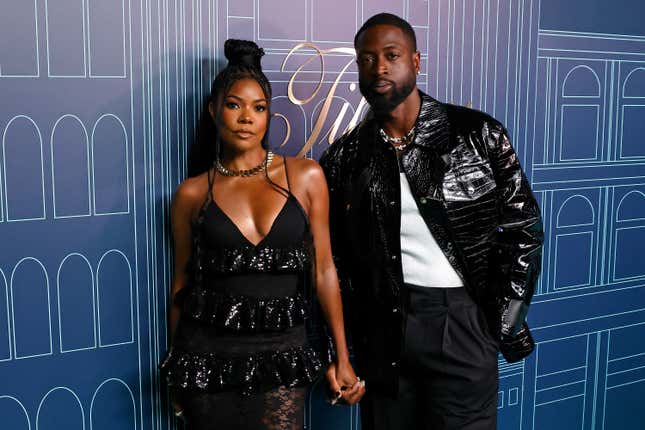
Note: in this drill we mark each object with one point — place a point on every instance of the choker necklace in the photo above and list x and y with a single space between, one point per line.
399 143
245 172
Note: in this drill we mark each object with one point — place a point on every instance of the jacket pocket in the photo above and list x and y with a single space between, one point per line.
469 176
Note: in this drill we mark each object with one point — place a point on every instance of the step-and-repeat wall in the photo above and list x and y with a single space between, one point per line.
100 101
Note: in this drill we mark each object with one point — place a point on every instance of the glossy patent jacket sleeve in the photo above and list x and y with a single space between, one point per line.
519 234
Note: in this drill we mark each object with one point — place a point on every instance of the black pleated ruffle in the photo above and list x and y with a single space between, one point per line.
248 374
244 313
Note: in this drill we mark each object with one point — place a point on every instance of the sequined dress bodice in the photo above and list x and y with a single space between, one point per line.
242 324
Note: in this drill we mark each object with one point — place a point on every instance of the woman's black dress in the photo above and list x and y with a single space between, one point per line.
240 356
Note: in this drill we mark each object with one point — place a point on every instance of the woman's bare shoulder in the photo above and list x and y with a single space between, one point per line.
192 190
305 169
308 179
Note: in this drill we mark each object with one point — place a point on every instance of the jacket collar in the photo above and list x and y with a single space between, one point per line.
432 128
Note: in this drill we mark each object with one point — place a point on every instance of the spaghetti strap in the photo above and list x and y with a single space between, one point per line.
207 199
286 174
290 195
209 195
280 188
211 181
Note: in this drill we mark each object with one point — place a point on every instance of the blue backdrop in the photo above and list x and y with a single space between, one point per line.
100 101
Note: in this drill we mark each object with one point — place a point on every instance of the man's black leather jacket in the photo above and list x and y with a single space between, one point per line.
477 203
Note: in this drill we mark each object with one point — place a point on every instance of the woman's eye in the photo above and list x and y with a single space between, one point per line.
260 108
231 105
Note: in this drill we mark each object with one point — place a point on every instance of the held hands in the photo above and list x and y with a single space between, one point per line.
345 386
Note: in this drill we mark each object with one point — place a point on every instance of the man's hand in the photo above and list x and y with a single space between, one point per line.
344 384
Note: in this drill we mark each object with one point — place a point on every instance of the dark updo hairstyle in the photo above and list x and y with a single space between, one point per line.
243 63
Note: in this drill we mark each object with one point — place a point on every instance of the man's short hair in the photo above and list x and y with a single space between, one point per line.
389 19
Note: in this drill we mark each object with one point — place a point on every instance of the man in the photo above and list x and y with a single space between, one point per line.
437 239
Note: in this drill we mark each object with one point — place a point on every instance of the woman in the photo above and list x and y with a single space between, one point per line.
245 233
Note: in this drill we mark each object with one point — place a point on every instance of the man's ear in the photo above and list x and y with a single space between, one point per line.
417 62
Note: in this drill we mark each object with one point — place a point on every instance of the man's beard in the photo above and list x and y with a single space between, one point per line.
383 104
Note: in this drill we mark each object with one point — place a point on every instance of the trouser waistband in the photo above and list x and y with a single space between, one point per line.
437 295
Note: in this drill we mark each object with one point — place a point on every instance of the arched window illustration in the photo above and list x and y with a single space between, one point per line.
13 413
575 211
113 406
631 207
632 113
630 236
106 45
23 170
114 291
60 408
581 81
574 241
110 166
65 26
19 27
70 168
580 114
30 309
5 339
634 86
76 321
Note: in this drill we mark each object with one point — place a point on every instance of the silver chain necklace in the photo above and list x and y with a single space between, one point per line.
245 172
399 143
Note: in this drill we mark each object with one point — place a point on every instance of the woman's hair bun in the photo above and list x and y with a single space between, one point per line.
243 53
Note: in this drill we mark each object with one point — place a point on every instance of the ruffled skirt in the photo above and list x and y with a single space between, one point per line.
243 363
242 347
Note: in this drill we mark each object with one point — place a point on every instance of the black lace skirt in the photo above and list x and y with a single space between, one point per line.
243 381
279 409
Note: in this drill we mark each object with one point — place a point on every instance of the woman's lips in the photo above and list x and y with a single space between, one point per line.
243 134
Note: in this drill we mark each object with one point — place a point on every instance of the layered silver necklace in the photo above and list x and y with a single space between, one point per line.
399 143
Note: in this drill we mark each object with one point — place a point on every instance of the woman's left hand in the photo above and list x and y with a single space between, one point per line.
352 387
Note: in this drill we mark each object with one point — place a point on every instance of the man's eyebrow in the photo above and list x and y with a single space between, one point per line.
388 46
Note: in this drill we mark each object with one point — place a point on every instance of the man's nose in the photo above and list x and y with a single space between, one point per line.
381 66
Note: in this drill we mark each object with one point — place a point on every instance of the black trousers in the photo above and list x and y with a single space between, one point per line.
449 377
